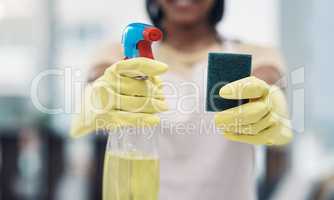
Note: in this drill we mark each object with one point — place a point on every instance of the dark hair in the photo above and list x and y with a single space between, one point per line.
156 14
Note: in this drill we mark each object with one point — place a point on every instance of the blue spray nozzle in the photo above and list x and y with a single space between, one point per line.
137 39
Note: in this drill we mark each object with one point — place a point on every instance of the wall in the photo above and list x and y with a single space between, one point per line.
254 21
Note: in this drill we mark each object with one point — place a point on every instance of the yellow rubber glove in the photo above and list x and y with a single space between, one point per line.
128 94
263 120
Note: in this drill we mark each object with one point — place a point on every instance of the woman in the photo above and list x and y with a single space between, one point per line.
198 164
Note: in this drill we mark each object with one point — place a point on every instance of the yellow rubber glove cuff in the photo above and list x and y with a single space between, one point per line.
263 120
128 94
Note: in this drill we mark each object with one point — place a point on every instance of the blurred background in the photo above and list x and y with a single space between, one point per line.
39 161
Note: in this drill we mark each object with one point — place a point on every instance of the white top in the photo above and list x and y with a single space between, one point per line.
197 162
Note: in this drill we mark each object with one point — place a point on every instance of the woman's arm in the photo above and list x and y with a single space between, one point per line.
97 70
106 57
269 74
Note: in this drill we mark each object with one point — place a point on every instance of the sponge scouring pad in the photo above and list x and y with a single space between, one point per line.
224 68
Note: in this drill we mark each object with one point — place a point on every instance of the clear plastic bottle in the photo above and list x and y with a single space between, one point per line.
131 166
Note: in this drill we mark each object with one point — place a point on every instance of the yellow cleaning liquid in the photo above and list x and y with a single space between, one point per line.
130 177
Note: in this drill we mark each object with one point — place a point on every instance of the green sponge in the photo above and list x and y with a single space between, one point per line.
224 68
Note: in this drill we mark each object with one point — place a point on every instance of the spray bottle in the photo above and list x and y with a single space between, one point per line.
131 166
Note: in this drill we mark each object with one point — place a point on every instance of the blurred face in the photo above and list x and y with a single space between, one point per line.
186 12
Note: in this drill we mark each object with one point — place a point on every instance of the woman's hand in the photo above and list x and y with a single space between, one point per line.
263 120
128 94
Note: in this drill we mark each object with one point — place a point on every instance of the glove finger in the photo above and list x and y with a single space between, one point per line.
139 104
274 135
250 129
246 88
132 87
278 101
138 67
105 99
245 114
157 81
